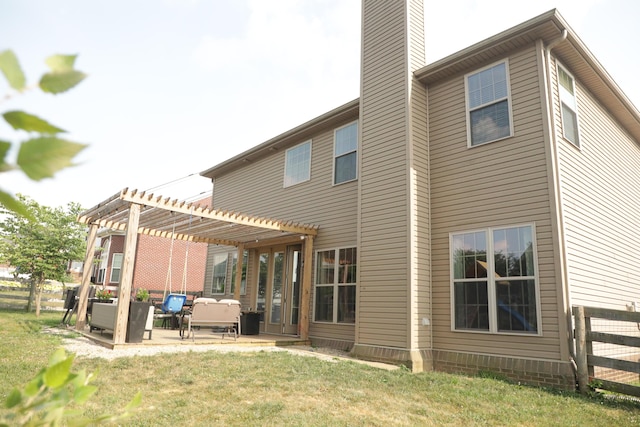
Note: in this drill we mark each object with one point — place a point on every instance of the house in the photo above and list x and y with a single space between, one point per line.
447 219
153 258
163 265
463 206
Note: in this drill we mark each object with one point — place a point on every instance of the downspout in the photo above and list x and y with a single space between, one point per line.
560 211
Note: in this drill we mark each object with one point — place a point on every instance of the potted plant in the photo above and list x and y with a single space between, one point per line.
142 295
104 295
138 313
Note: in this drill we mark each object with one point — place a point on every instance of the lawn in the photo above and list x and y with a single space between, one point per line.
278 388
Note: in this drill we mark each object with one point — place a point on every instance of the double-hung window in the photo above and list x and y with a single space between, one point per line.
494 279
297 164
488 104
345 154
566 87
116 268
335 290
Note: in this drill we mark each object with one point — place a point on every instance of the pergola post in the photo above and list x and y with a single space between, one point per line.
81 317
126 279
238 282
305 296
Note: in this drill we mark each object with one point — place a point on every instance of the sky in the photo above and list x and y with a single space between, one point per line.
178 86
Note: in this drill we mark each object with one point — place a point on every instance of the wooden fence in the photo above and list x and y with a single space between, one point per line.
15 298
586 360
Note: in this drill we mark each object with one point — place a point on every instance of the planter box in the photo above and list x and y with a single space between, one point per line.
103 317
138 315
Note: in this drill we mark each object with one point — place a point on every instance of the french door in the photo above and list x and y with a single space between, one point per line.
279 282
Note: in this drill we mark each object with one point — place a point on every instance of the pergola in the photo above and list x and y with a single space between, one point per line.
139 213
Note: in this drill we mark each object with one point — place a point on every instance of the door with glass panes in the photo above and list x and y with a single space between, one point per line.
279 282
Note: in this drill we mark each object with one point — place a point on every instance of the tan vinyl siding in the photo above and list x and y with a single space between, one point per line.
502 183
258 189
599 187
383 241
420 285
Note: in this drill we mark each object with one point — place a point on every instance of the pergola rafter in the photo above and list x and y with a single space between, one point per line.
166 218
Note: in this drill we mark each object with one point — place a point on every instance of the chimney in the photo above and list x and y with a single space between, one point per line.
393 171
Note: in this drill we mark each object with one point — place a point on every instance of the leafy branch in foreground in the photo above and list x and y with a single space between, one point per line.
43 401
44 153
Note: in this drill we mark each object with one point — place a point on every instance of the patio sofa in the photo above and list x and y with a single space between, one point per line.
208 312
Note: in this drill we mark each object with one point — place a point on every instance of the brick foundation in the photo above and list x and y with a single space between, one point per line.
536 372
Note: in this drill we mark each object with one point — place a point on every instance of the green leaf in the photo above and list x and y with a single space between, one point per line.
9 202
57 356
30 123
82 394
11 69
61 62
14 398
135 402
56 376
42 157
61 81
5 146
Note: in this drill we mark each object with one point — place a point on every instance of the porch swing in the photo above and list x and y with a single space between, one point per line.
173 302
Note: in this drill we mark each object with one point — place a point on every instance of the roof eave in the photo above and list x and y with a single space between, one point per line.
296 135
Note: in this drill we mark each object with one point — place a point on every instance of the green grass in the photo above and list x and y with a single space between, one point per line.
276 389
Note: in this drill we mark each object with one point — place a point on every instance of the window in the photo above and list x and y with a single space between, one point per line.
234 264
345 153
335 290
219 273
568 105
489 112
495 293
263 269
104 260
297 164
116 268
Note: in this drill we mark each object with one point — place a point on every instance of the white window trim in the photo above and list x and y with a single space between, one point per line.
286 156
357 151
508 98
335 286
491 283
574 109
213 273
113 263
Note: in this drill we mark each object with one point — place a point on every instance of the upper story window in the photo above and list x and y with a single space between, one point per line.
297 164
494 280
345 154
488 104
566 88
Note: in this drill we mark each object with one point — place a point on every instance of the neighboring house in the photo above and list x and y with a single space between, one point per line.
159 263
463 206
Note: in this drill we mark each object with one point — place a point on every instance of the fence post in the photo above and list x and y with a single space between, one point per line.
581 349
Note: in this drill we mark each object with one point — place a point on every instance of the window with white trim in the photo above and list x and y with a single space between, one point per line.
104 261
569 106
297 164
234 265
335 288
494 280
488 104
116 268
345 153
220 262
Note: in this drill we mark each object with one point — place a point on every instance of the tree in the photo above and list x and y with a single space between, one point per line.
43 153
42 247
